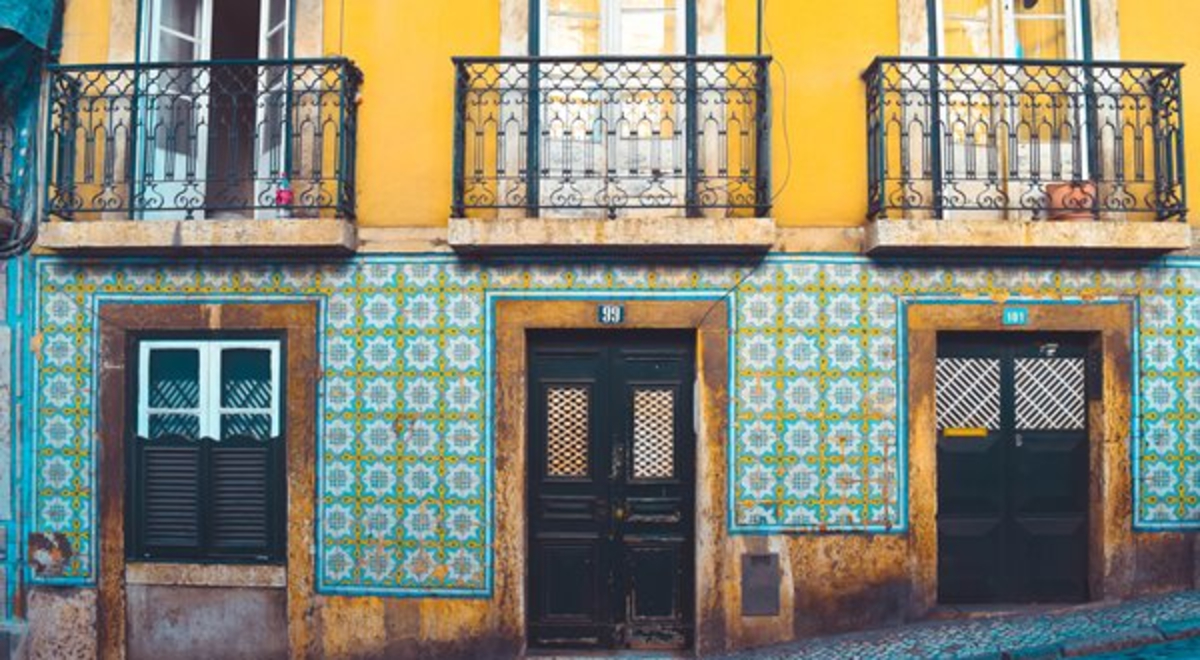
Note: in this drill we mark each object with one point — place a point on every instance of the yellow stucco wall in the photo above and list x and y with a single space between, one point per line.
1157 31
404 49
404 140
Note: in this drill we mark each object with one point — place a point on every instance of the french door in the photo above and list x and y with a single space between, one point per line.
194 112
175 122
611 490
1009 131
612 135
1012 468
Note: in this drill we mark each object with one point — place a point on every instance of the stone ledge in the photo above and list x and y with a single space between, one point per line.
194 236
628 234
205 575
897 237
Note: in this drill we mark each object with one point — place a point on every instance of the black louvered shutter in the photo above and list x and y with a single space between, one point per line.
169 476
242 493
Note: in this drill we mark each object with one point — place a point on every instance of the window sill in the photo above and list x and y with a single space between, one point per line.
242 236
206 575
963 236
632 234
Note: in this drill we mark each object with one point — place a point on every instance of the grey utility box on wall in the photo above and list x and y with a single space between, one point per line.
760 584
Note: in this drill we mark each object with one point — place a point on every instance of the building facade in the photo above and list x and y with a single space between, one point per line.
474 328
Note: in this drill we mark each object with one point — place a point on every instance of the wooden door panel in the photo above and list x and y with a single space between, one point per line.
610 495
1012 493
575 600
969 552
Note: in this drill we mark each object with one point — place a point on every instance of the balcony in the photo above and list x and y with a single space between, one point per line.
1017 147
237 154
612 152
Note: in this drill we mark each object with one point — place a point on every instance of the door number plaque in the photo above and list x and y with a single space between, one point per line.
610 314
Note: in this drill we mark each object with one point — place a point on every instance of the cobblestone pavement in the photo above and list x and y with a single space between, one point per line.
1074 631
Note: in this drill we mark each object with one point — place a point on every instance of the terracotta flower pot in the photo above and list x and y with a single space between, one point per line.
1071 201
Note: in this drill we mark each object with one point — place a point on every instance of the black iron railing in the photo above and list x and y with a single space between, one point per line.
609 134
203 139
1025 138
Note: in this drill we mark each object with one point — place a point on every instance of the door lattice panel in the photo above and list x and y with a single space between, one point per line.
1050 394
567 431
653 434
968 393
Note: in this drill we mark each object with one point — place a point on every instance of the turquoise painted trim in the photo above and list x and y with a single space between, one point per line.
15 317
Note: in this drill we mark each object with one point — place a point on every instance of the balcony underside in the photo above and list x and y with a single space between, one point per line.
244 236
1149 239
627 234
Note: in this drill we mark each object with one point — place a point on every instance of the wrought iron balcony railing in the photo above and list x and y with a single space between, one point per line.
567 136
203 140
1025 139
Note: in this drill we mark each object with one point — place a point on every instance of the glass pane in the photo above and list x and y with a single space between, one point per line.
969 28
245 378
174 378
277 12
1042 38
277 45
1042 8
567 432
246 425
173 49
653 434
648 27
181 15
572 27
174 425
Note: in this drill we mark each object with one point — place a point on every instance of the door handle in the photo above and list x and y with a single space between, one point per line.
1020 440
619 513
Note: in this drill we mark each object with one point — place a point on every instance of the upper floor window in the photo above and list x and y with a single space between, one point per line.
206 465
614 27
1021 29
183 30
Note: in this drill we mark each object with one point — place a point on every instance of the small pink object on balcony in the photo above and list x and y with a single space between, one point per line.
284 199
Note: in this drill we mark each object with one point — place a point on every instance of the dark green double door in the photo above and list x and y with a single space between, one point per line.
611 493
1012 468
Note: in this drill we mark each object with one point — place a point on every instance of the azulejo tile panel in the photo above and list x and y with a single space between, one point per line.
405 469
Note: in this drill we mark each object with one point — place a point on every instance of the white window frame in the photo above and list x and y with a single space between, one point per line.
209 410
610 27
1007 14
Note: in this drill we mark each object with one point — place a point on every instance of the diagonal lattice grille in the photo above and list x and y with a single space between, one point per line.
968 393
567 432
1050 394
653 434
